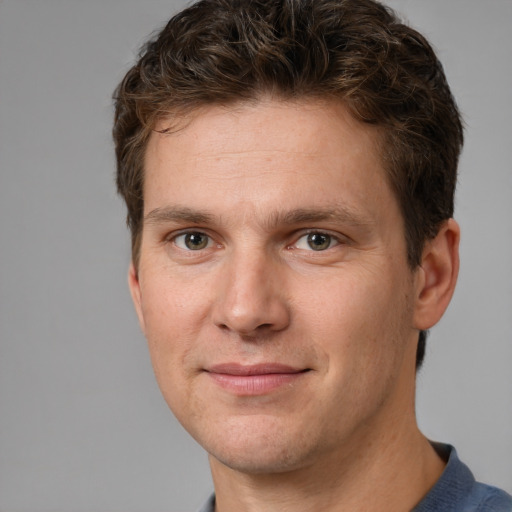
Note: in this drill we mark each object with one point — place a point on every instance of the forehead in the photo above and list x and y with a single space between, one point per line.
264 155
299 125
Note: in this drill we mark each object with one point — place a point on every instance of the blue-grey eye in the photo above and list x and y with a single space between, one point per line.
315 241
319 241
194 241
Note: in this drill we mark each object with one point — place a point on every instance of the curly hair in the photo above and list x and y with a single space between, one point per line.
355 51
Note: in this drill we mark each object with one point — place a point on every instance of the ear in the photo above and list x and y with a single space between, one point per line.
134 285
437 275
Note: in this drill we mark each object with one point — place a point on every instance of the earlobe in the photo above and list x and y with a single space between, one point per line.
134 285
437 275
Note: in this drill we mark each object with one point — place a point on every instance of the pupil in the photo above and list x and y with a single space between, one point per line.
196 241
318 241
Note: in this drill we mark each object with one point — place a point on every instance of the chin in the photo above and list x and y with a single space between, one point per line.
255 462
260 448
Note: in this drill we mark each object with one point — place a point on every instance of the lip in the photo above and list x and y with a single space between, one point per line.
253 380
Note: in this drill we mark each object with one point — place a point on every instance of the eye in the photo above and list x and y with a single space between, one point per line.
193 241
316 241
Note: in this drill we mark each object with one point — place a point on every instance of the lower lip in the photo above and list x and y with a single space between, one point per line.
253 385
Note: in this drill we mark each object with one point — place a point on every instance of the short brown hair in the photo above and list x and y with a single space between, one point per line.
357 51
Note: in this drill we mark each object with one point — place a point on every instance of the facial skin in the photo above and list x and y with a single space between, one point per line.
230 283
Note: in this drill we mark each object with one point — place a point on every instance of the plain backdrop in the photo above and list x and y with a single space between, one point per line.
82 425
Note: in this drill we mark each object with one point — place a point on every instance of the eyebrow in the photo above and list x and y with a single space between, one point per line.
334 214
178 214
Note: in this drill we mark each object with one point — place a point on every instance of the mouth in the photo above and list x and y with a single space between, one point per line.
254 380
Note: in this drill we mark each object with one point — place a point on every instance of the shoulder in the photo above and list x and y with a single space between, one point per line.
458 491
491 499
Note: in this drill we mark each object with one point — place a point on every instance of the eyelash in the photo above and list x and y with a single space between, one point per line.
174 239
333 240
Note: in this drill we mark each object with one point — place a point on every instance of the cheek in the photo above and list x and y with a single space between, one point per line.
173 304
357 320
174 313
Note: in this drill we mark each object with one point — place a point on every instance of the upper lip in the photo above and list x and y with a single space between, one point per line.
255 369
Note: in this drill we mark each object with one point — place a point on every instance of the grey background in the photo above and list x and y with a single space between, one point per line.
82 423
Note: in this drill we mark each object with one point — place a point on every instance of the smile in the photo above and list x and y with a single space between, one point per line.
256 379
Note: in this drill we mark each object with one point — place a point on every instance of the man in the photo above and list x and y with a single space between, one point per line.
289 169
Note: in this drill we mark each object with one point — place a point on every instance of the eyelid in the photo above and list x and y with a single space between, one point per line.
338 238
183 246
173 236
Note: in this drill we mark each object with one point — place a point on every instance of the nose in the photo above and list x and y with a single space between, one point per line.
251 299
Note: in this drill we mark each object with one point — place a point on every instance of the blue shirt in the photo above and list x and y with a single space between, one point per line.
455 491
458 491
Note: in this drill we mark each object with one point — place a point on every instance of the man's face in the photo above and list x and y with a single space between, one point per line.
273 284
